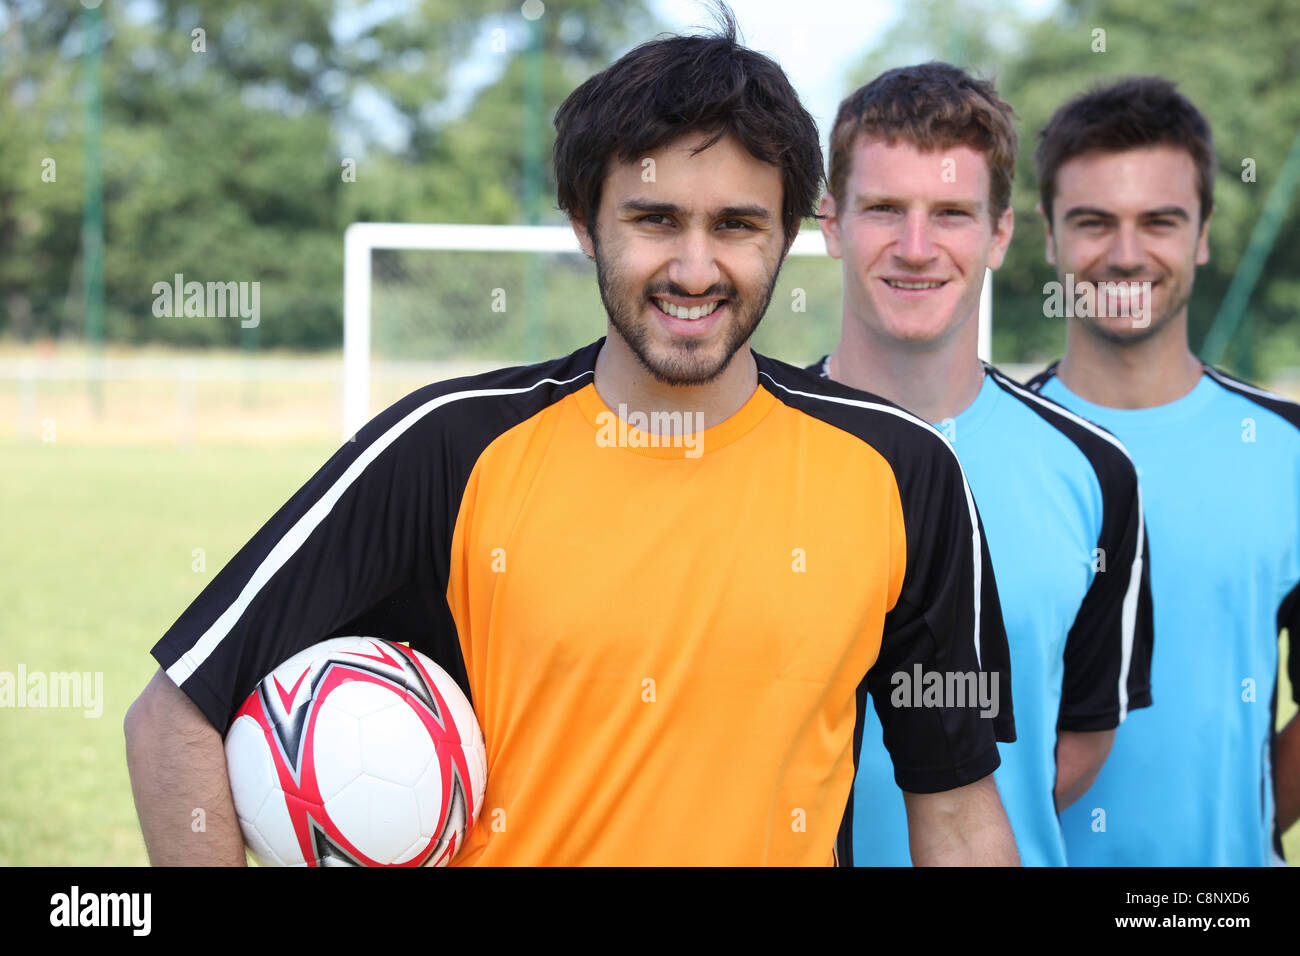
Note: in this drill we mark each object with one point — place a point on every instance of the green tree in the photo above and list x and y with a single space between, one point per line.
231 135
1239 64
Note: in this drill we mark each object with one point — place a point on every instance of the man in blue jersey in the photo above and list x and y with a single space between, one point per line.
919 206
1126 174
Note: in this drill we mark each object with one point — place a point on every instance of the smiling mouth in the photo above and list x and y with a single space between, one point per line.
914 286
1122 290
1123 284
689 314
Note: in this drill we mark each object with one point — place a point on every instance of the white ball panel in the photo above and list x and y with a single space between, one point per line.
421 845
378 817
395 746
462 714
276 829
258 847
428 798
336 741
361 698
249 766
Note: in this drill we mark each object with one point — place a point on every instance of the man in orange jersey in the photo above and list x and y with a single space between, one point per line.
665 569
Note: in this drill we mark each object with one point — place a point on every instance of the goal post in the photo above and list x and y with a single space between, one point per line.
362 239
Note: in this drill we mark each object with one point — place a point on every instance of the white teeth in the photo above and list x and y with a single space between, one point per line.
681 312
898 284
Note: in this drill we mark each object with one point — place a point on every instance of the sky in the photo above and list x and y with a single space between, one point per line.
816 48
816 41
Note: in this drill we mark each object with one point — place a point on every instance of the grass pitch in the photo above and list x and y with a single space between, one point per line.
103 546
101 549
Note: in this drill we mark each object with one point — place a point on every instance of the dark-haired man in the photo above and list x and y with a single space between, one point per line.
662 630
921 165
1126 174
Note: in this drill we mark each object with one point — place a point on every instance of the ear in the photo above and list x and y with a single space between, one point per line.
1002 231
584 237
1203 241
1049 246
830 225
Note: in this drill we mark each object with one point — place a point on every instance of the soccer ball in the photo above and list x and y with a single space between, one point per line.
356 752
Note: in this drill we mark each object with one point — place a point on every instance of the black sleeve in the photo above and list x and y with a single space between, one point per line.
948 605
1108 650
344 549
1288 616
364 547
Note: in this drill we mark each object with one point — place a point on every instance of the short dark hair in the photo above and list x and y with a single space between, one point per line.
932 106
676 85
1135 112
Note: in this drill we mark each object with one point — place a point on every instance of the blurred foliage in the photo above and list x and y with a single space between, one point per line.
1239 63
480 306
228 163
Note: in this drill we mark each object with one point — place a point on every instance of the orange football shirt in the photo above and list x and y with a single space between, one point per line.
667 643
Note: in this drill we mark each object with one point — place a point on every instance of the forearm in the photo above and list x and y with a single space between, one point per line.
1286 774
1079 757
988 844
963 827
177 763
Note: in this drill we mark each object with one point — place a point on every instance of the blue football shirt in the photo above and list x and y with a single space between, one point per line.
1189 781
1059 502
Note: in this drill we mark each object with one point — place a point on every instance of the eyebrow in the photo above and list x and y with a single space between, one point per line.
866 200
1175 212
652 207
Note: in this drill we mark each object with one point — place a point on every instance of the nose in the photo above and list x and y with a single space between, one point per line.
914 244
694 266
1125 251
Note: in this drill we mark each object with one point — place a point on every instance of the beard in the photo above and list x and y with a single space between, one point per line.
688 361
1176 298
